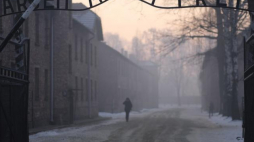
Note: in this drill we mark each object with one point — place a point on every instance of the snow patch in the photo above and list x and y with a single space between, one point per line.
145 111
43 134
225 121
221 129
173 106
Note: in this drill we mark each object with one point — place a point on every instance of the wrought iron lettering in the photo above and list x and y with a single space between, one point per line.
8 9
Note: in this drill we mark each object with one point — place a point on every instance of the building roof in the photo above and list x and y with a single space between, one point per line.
148 63
89 19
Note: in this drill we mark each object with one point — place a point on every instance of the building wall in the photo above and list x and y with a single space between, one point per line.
70 102
70 73
120 78
209 84
84 59
54 38
84 69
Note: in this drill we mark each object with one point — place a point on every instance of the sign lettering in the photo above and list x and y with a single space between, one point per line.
173 4
9 7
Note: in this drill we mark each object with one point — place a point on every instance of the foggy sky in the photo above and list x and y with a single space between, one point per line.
130 17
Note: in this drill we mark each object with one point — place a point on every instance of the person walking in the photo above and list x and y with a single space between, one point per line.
211 109
128 106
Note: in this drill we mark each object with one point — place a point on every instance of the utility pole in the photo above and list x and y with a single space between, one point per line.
21 20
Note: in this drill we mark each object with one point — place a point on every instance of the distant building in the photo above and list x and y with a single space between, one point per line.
209 78
153 82
120 78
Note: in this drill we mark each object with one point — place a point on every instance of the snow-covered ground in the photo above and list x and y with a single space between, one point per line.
225 121
219 128
222 128
215 129
144 112
116 117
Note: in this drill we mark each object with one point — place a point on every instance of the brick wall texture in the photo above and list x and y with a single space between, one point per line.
70 66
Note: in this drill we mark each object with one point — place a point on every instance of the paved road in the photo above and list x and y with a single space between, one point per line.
174 125
163 126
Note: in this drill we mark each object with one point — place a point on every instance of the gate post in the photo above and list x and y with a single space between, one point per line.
14 81
248 124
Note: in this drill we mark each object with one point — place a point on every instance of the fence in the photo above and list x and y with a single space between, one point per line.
248 113
14 65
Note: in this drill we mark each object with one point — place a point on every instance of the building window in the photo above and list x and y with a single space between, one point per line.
91 48
76 87
70 60
95 90
70 20
46 85
82 90
76 47
70 14
91 90
87 52
37 28
36 81
95 56
87 89
81 48
46 32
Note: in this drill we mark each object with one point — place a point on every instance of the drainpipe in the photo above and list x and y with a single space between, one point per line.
89 75
52 72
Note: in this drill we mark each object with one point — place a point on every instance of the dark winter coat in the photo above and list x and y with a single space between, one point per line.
128 105
211 107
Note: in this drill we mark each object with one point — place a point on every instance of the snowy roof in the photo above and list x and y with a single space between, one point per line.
88 18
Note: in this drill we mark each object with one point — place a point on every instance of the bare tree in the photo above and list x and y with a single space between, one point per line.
114 41
222 27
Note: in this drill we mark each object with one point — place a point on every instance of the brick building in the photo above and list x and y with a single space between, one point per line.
209 85
72 72
61 68
120 78
86 53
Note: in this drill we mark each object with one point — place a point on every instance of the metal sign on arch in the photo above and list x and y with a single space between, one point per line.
173 4
8 7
